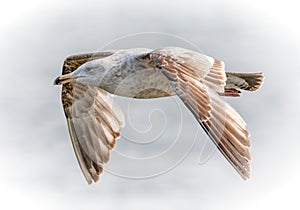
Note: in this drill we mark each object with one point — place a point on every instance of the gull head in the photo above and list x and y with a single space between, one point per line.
88 74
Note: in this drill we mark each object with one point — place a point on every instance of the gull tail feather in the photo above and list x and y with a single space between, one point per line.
244 81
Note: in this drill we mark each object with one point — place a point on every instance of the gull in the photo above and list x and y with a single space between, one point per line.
90 80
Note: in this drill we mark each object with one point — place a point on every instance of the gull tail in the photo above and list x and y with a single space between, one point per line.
244 81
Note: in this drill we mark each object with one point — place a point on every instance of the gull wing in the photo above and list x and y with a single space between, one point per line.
94 121
71 63
196 78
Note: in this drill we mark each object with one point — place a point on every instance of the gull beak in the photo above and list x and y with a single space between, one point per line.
66 78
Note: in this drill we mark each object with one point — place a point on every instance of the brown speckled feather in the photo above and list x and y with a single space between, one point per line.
244 81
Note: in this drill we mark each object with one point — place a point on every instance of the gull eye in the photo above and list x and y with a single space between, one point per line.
89 69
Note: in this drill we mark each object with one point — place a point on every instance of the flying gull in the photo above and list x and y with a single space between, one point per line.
94 121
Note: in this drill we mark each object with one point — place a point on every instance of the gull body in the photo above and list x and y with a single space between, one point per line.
124 74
